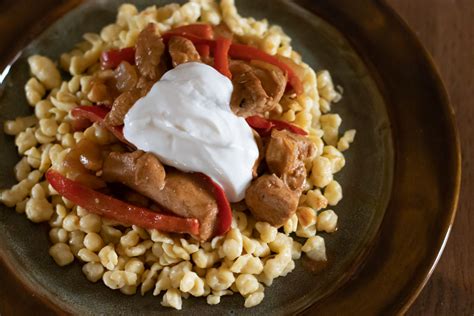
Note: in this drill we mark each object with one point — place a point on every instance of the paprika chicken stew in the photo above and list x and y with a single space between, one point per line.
191 152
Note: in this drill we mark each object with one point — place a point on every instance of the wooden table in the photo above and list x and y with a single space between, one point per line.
446 28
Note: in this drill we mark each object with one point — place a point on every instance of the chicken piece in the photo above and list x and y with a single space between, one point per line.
121 105
285 156
135 198
102 88
261 153
183 194
140 171
272 77
99 93
126 77
149 50
257 87
188 195
248 98
182 51
271 200
144 85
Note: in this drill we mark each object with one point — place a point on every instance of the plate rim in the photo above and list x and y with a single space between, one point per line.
58 11
457 145
414 288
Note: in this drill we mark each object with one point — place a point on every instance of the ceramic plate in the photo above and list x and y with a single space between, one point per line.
400 182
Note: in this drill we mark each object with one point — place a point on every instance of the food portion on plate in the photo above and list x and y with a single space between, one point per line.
190 151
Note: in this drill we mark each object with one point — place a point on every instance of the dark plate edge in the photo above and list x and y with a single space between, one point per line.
408 294
417 288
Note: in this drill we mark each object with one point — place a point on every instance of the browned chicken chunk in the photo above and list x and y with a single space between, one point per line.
149 50
183 194
271 200
249 97
144 85
256 90
188 195
121 105
126 77
261 153
102 88
285 156
273 79
140 171
182 51
135 198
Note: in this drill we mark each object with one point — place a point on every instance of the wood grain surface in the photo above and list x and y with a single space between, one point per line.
446 29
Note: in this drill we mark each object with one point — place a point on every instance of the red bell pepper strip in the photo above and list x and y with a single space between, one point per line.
225 212
264 126
80 124
245 52
204 50
203 31
107 206
281 125
97 113
221 58
298 70
112 58
260 124
193 38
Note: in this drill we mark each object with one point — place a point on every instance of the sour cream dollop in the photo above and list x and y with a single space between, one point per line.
186 121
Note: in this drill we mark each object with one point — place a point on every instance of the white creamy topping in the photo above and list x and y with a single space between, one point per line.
186 121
